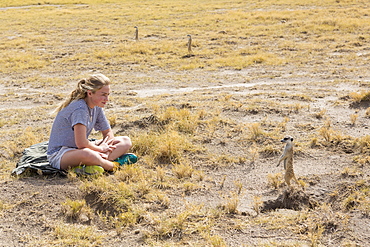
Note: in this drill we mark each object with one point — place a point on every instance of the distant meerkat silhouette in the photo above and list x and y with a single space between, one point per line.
136 33
189 44
287 157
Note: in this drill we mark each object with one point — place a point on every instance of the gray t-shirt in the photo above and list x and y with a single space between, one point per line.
77 112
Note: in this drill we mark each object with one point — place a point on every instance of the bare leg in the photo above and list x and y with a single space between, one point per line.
123 144
84 156
90 158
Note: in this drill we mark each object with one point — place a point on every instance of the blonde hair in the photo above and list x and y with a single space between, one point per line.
93 83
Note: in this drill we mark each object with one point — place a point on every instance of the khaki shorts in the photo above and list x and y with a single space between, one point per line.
56 157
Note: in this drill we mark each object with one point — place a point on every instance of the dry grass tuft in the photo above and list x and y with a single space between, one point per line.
73 208
256 131
275 180
231 204
167 147
358 97
71 234
182 170
257 204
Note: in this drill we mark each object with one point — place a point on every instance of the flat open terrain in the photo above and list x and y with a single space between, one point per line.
206 125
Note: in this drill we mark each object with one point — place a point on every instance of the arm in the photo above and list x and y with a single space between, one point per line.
83 142
108 133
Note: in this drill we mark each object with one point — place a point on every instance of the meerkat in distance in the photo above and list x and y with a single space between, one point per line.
287 157
136 33
189 44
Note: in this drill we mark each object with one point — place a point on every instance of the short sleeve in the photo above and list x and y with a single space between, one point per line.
101 121
79 116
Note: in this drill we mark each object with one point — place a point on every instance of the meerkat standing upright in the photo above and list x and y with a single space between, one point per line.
189 44
136 33
287 157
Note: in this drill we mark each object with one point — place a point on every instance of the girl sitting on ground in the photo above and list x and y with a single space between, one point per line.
69 146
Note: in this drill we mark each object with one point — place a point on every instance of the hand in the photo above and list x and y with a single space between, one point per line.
104 155
106 146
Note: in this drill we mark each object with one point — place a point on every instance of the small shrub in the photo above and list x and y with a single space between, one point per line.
162 199
326 133
296 107
216 241
189 187
320 114
199 175
222 183
224 159
269 151
315 232
182 170
314 142
4 206
360 97
182 119
110 194
255 131
239 186
257 204
73 209
76 235
353 118
350 172
364 144
231 204
275 180
112 120
350 202
142 188
357 197
171 226
362 160
130 173
160 172
126 219
166 147
253 154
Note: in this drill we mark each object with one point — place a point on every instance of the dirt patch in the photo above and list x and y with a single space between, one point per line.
33 207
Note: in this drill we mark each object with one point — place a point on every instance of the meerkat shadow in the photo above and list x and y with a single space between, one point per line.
290 198
188 56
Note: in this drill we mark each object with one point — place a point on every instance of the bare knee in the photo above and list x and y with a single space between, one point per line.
124 141
89 157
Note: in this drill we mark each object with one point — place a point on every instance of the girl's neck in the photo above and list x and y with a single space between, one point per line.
88 103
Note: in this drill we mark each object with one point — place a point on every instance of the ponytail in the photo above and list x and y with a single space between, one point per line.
93 83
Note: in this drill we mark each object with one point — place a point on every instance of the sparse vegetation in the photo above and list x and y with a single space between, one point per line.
353 118
231 204
275 180
68 234
206 127
359 97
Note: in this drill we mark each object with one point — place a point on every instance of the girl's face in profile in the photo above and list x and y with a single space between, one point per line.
99 98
